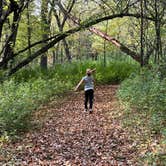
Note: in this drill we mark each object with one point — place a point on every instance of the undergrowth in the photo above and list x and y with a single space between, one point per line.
144 97
31 87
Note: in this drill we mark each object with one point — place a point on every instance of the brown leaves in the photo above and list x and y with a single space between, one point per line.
72 137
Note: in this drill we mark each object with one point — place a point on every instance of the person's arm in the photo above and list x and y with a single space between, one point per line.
93 70
76 88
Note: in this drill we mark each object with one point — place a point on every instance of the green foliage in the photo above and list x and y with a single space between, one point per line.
162 68
147 92
19 100
31 87
153 159
114 72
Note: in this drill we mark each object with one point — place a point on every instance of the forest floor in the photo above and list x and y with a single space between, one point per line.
71 137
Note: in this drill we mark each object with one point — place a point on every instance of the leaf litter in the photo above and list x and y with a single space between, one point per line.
68 136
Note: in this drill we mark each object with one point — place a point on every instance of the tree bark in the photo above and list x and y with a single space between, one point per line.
28 30
45 28
142 33
105 62
8 51
158 33
1 7
67 51
60 27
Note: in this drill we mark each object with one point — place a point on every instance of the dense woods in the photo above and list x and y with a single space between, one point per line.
47 45
46 28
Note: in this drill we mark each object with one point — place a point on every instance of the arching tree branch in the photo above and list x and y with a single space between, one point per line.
61 36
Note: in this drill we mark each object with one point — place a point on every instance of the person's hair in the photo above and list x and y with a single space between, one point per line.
88 71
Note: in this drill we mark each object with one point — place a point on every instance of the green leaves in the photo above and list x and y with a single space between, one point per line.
19 100
147 93
5 8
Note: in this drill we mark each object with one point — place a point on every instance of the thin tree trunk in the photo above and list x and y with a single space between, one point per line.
8 51
53 57
28 30
158 34
105 45
67 52
142 34
79 48
61 52
1 7
65 44
45 28
56 54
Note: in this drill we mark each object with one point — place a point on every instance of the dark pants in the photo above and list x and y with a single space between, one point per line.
89 94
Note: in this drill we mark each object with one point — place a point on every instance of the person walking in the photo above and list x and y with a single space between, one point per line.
88 81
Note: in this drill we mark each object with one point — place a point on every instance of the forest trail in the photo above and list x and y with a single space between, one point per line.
71 137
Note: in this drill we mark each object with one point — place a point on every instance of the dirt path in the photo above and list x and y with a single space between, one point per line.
71 137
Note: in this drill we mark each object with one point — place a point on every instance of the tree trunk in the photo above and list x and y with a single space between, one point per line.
158 34
105 45
1 8
28 30
60 27
45 29
8 50
67 51
57 52
142 33
53 57
61 52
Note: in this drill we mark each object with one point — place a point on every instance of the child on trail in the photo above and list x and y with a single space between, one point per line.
88 88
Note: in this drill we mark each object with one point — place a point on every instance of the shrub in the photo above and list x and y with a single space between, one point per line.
19 100
147 92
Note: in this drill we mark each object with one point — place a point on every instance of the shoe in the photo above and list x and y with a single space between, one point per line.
90 111
85 110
